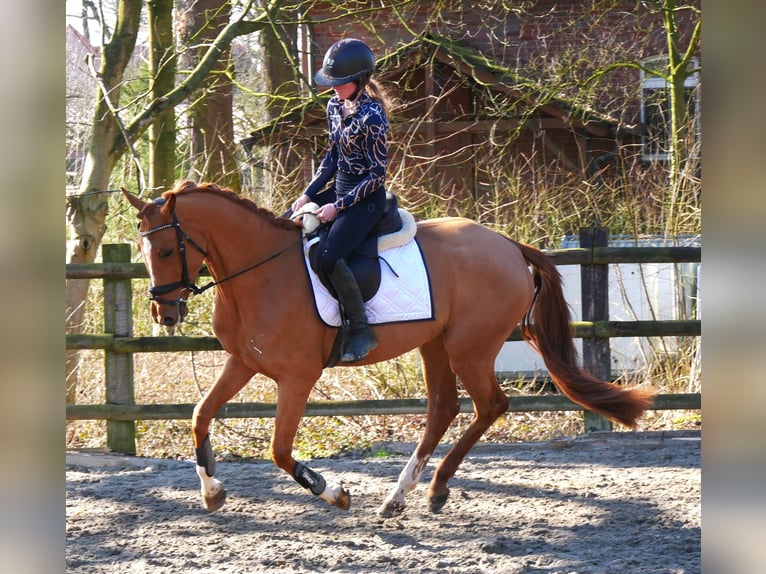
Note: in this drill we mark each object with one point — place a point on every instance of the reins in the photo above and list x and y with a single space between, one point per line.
184 283
207 286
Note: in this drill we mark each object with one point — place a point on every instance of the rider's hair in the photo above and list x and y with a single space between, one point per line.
378 93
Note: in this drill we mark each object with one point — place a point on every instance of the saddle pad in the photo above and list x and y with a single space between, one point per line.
405 296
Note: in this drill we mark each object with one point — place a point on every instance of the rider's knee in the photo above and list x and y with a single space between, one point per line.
326 262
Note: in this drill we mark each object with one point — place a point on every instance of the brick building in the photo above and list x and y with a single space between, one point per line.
484 91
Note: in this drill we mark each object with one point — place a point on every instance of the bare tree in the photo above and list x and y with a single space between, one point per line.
87 211
680 67
281 85
113 135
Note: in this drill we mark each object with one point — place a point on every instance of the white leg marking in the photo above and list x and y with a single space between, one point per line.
331 493
210 485
408 480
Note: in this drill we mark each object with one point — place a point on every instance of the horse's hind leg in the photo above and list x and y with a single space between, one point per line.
443 407
489 403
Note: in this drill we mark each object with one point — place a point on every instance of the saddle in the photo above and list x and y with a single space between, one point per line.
396 228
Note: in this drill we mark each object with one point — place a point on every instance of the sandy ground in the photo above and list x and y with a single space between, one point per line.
612 503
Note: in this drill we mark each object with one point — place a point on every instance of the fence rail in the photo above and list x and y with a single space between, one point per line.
345 408
118 344
581 329
572 256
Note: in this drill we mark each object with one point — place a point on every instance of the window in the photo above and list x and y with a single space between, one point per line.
655 107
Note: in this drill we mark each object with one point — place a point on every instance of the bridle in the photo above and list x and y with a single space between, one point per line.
156 291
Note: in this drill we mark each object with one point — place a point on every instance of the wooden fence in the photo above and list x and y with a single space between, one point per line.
119 344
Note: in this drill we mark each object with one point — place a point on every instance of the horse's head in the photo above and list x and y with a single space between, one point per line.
173 267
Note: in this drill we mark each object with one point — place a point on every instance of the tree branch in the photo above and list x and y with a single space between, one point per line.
128 143
239 27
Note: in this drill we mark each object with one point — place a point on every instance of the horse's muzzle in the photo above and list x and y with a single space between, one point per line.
168 313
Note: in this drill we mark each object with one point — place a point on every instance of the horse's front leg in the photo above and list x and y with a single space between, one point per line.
291 403
233 377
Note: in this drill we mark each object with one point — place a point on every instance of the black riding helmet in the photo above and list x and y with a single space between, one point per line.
346 61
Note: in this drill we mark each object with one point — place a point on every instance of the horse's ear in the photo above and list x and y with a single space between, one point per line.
134 201
170 204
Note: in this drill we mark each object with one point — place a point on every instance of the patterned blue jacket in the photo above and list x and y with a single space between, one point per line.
357 146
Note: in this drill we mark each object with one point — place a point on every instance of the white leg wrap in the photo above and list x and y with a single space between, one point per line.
210 485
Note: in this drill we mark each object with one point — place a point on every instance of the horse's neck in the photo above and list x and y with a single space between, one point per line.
238 237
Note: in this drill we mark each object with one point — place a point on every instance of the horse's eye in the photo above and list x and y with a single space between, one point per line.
166 252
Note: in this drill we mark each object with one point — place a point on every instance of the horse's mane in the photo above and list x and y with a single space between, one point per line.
189 187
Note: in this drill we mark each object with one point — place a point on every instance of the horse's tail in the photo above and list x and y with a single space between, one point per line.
546 327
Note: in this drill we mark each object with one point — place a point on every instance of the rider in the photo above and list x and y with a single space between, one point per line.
357 158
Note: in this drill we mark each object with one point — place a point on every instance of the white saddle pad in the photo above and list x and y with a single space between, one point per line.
404 296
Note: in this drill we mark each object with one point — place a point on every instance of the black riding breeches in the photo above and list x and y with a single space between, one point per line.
350 228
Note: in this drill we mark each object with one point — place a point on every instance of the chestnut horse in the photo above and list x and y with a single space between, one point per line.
482 288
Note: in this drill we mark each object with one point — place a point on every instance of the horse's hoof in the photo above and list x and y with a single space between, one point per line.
437 501
390 509
343 500
215 502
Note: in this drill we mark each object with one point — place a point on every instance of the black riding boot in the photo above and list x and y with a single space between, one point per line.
360 339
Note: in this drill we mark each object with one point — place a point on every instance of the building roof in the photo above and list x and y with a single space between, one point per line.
482 71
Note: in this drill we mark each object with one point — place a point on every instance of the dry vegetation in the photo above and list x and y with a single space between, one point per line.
182 377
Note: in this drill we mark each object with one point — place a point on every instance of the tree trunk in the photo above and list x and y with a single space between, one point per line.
281 82
210 122
87 211
162 133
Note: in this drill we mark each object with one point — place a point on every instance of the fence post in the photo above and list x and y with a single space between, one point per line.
118 367
596 355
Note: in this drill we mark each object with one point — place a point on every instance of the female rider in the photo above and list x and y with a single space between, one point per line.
356 157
